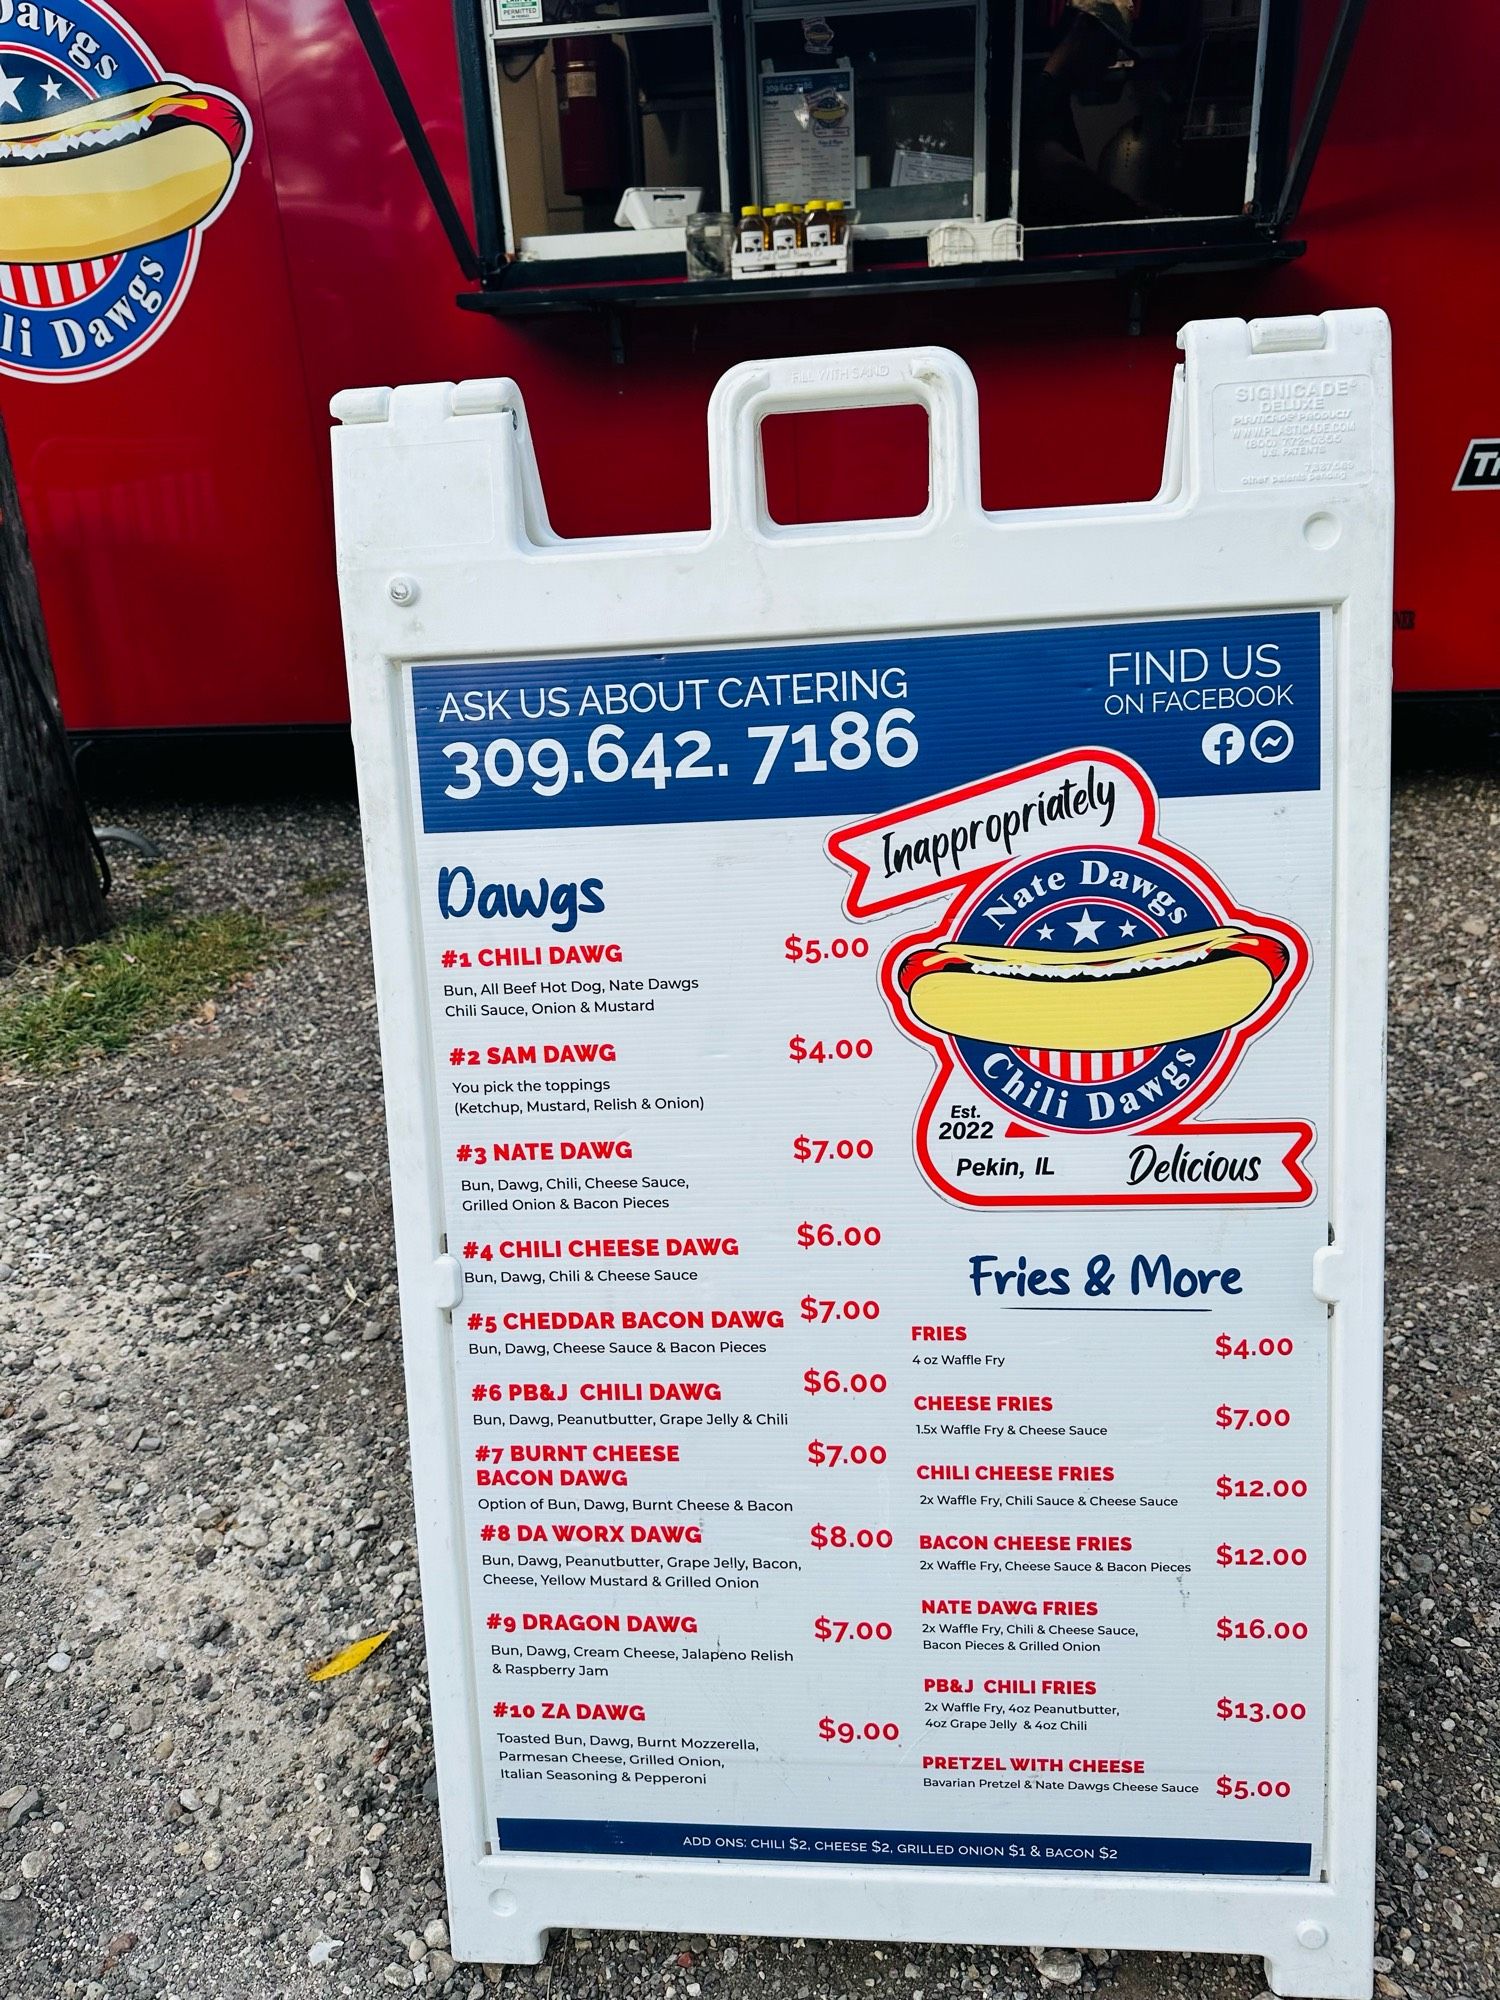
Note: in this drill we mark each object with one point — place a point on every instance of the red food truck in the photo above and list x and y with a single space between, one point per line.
213 217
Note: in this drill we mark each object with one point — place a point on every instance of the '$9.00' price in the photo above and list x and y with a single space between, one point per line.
800 1050
1253 1788
829 1382
858 1732
839 1537
820 1452
841 1629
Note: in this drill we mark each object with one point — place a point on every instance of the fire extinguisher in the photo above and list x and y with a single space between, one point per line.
587 69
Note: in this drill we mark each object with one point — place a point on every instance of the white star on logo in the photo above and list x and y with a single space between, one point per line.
1085 929
9 85
1045 931
1127 930
51 89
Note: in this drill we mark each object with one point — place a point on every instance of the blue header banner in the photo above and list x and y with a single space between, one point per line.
1206 706
1107 1853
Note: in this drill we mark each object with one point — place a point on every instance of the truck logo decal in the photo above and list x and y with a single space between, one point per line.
110 170
1480 471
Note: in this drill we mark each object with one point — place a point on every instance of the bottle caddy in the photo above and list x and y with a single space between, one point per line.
786 238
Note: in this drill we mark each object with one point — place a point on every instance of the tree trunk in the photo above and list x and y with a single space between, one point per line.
51 886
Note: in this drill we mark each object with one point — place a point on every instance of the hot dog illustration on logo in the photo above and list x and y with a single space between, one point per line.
1107 995
1153 992
109 171
1088 983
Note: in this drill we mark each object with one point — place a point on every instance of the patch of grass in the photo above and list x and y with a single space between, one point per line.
325 885
98 999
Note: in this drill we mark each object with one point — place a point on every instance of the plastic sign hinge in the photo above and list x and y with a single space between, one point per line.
482 395
1328 1274
361 406
1298 333
448 1282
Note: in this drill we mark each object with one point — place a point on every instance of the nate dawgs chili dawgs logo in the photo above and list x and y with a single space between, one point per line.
1086 987
109 171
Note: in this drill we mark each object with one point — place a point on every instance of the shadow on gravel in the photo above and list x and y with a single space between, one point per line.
1429 733
216 766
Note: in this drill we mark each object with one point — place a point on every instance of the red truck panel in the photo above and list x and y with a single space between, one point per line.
178 505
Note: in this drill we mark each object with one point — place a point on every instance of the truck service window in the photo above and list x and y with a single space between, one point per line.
618 119
592 99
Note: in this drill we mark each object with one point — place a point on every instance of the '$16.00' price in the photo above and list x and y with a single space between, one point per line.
841 1629
800 1050
858 1732
819 1452
839 1537
1253 1788
813 951
829 1382
1261 1628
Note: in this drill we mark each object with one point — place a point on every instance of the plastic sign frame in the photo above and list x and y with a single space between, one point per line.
446 556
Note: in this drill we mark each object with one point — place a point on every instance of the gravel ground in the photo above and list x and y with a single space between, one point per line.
203 1486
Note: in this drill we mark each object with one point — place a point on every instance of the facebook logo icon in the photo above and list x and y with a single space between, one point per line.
1223 743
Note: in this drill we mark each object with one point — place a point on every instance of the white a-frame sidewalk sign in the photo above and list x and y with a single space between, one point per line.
882 1033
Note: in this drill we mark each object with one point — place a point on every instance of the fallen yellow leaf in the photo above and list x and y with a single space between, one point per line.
346 1661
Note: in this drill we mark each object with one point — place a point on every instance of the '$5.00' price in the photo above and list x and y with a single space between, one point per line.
829 1382
858 1732
1260 1711
836 1236
1253 1788
824 1311
819 1452
839 1537
800 1050
841 1629
1232 1558
1229 1419
813 951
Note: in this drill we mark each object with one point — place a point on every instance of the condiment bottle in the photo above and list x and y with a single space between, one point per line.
754 236
785 226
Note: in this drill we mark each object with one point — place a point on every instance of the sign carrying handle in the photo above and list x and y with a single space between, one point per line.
930 376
